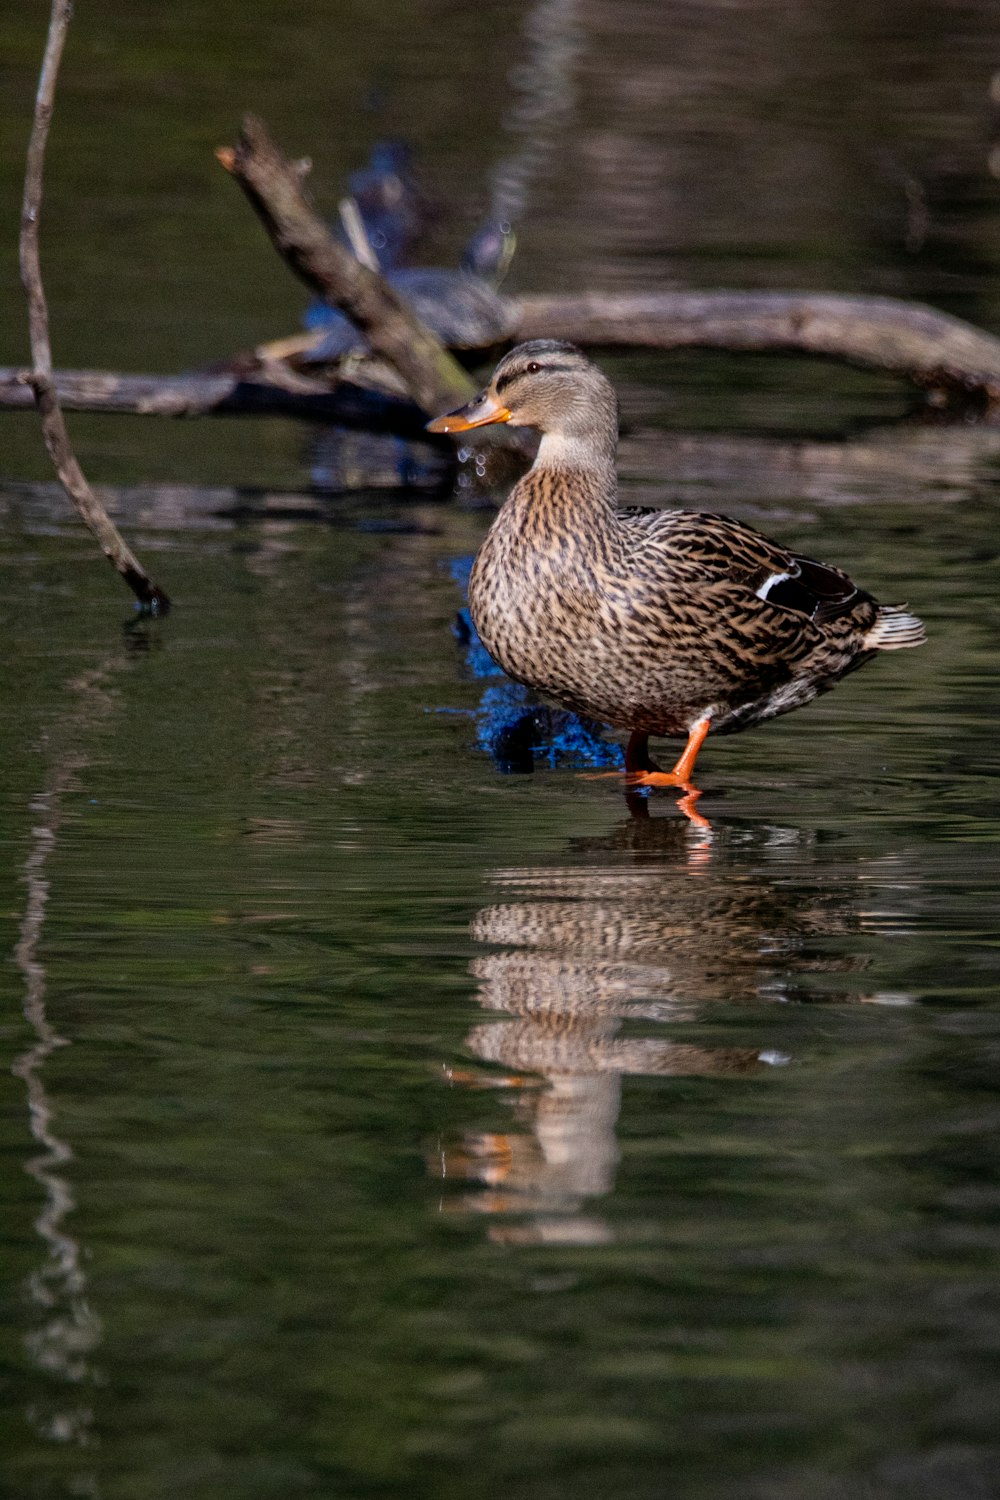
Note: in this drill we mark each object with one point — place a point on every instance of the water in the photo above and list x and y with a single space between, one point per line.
377 1124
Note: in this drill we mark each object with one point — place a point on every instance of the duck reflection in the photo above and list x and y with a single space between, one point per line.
640 929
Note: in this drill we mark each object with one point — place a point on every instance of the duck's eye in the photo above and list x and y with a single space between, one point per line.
533 368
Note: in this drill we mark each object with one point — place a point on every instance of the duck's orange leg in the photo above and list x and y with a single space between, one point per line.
640 771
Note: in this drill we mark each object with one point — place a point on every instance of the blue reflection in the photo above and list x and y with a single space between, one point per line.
512 726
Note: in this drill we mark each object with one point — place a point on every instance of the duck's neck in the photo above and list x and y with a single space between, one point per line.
585 461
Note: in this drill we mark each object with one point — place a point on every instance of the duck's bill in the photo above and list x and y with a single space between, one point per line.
479 413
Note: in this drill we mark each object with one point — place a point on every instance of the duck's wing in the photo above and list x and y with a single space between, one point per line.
699 547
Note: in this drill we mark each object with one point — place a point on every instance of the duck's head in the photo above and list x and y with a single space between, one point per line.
550 386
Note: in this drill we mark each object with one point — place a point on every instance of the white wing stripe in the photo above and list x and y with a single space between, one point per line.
769 583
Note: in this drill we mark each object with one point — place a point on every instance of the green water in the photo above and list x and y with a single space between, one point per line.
378 1125
433 1131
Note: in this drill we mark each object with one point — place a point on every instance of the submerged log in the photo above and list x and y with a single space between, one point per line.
218 395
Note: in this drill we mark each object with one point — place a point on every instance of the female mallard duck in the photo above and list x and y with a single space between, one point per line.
665 622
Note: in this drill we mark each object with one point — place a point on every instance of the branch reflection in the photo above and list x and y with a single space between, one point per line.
66 1329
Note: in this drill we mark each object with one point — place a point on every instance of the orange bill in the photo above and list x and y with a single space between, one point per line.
480 412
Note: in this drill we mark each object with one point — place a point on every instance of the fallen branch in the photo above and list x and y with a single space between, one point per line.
430 374
40 379
933 350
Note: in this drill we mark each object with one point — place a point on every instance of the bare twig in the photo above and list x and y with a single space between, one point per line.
430 374
40 379
930 348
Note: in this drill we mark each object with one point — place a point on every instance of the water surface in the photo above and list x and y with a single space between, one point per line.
377 1124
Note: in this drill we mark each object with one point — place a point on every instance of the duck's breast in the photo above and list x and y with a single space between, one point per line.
536 602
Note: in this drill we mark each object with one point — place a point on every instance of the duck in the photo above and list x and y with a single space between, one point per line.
670 624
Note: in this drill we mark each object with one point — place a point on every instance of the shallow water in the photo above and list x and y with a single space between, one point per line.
379 1124
415 1128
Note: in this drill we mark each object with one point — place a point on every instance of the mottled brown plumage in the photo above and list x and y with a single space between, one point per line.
657 622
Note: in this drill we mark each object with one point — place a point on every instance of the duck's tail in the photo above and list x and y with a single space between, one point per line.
894 629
